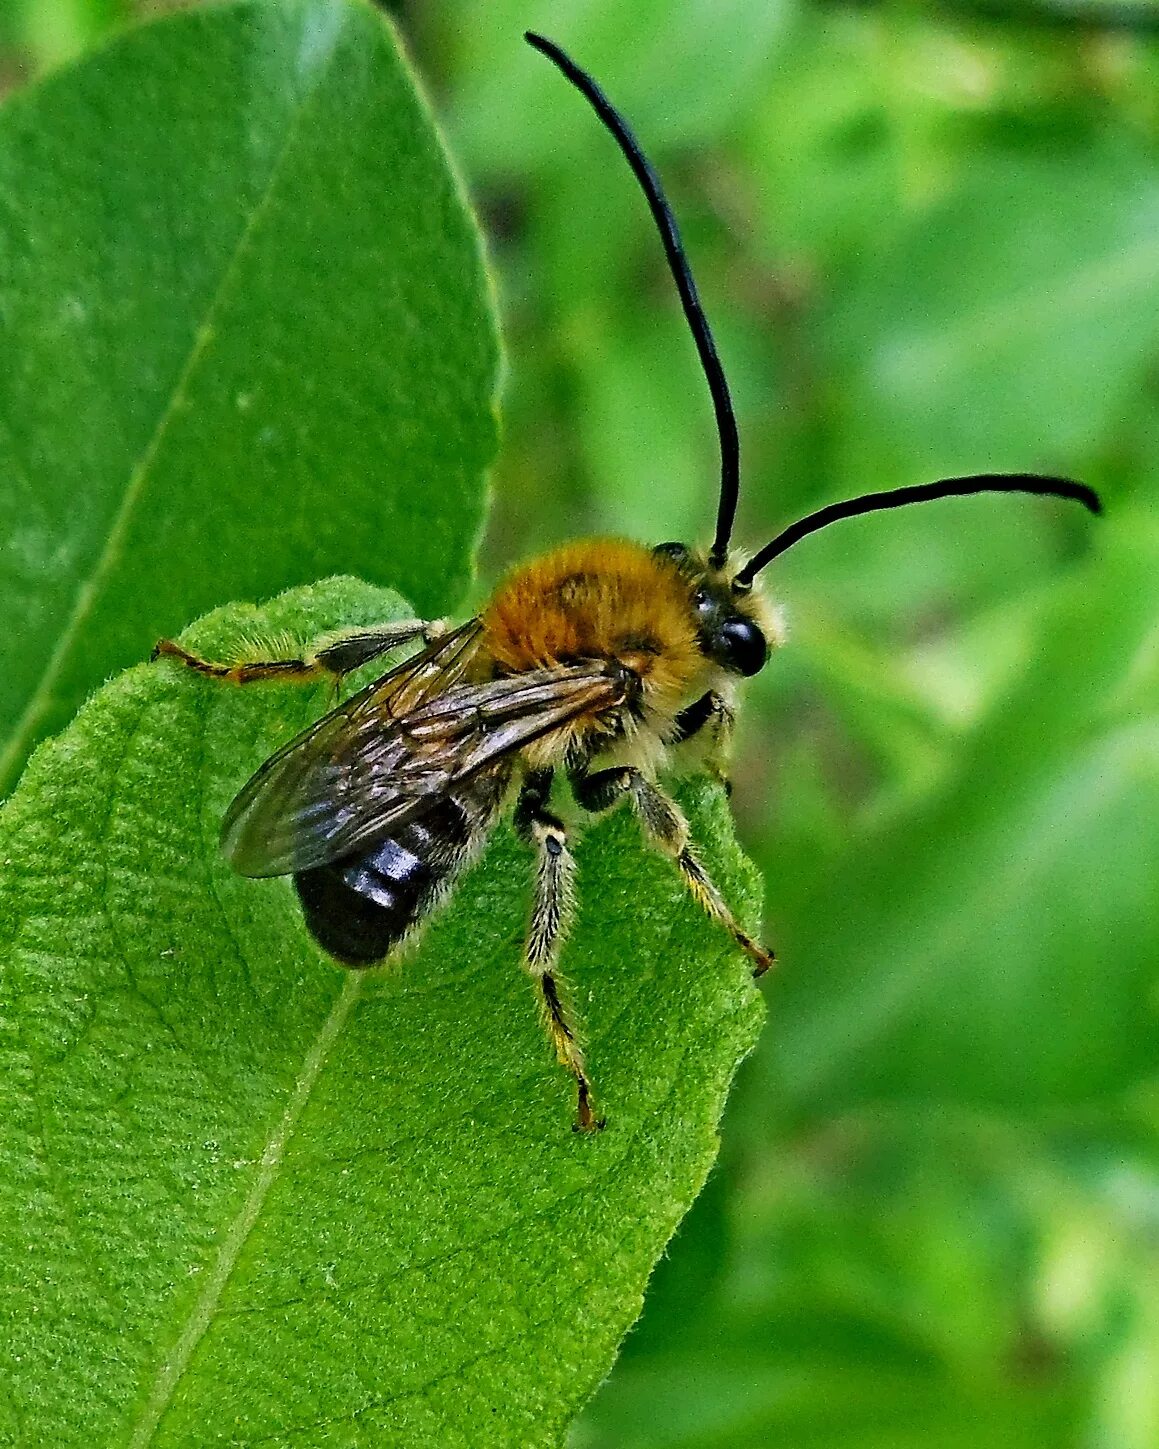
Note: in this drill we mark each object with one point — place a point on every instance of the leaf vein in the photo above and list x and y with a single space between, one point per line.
591 1187
178 1360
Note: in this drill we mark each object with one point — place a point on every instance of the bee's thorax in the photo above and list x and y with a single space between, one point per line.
600 599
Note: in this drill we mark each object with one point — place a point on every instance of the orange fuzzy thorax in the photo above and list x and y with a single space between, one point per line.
595 599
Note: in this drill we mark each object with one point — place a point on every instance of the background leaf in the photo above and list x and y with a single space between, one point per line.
247 338
248 1196
990 986
509 117
962 312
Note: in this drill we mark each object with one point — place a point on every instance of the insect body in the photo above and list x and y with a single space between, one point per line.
592 662
591 665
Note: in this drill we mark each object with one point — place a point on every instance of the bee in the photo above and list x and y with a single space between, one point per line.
592 666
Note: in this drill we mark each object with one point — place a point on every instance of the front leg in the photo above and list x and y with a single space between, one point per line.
666 829
334 655
711 711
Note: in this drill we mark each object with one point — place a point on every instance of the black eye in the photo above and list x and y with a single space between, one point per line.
677 551
741 646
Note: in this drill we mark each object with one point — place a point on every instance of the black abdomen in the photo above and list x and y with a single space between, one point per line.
360 908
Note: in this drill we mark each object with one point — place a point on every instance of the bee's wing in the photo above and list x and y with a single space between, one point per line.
361 772
265 831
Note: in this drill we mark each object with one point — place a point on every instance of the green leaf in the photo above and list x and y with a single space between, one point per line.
248 340
511 112
904 1276
250 1197
1007 326
995 945
746 1391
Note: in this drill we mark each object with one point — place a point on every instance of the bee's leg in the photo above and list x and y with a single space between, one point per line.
714 711
551 912
665 827
691 720
336 654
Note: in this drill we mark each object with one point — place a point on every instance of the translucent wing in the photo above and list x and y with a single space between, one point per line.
265 828
393 751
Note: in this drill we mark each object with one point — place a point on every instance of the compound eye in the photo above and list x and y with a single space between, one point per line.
742 646
676 551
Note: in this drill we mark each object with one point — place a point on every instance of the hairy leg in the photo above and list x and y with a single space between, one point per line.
551 912
666 829
711 712
334 656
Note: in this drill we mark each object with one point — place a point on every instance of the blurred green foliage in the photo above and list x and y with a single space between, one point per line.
929 243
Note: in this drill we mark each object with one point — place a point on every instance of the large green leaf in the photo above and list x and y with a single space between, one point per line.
1009 325
995 945
250 1198
246 336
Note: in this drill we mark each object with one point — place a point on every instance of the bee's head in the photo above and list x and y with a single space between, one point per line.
734 626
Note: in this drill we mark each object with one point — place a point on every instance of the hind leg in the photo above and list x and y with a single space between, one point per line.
551 912
335 655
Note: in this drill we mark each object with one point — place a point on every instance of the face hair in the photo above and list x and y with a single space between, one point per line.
682 275
915 493
718 385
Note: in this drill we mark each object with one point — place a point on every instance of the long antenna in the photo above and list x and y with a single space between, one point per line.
917 493
681 274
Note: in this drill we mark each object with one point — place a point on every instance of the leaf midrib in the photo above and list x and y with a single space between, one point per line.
174 1365
24 730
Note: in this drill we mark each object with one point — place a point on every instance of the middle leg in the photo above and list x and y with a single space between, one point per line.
551 912
665 828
